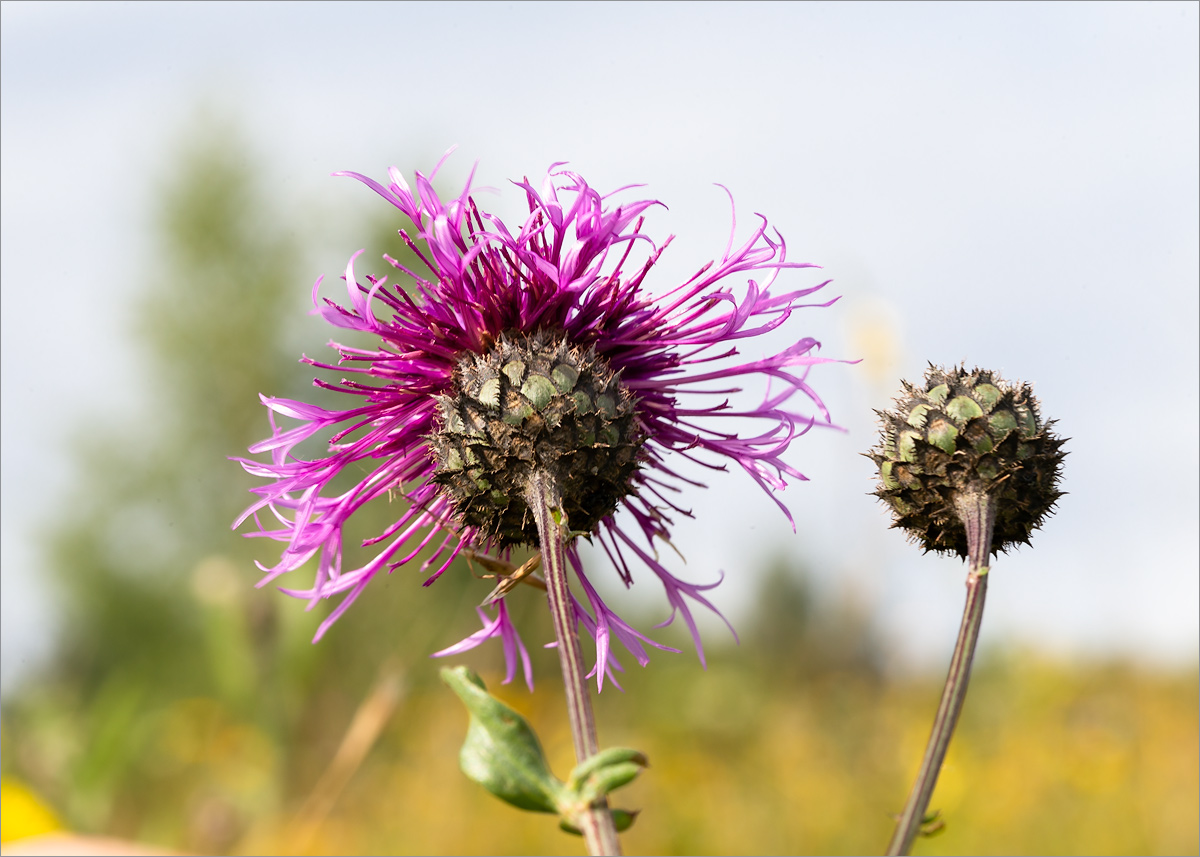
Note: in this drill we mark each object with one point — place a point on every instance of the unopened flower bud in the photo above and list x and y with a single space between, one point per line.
967 433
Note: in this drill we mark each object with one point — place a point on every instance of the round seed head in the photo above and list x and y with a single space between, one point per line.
533 402
967 431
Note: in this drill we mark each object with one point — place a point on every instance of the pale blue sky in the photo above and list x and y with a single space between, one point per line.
1013 185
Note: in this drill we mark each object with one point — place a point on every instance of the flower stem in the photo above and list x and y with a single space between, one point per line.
544 501
977 513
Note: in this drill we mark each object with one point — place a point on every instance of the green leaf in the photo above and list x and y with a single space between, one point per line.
593 779
623 819
607 779
501 751
503 755
605 772
932 824
611 756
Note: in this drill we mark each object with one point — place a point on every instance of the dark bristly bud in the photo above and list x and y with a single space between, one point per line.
533 402
967 433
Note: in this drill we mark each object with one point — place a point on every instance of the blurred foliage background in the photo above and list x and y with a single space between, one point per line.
189 710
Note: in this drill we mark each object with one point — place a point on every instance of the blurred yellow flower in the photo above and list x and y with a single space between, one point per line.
22 813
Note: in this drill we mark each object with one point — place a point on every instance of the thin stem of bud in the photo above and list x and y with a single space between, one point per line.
543 499
978 513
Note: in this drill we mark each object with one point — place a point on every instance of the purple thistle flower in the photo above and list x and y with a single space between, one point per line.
563 280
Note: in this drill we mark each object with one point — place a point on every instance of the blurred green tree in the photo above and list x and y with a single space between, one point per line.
155 590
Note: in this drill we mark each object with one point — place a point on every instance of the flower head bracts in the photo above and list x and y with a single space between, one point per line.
567 269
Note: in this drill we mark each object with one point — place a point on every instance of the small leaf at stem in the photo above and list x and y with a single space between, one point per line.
932 824
593 779
609 778
605 772
623 819
501 751
611 756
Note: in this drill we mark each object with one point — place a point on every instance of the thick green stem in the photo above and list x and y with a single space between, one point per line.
544 501
977 512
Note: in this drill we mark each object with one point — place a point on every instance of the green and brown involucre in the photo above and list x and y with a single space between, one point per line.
535 403
967 431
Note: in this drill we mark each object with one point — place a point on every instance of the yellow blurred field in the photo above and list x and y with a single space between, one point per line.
1049 758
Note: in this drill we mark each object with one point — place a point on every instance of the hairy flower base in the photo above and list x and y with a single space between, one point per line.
964 433
534 403
565 273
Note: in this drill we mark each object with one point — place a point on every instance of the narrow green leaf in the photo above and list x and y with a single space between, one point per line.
932 824
607 779
623 819
611 756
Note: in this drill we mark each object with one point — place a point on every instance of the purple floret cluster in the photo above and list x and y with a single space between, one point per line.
579 265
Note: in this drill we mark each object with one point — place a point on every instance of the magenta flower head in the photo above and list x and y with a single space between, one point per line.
535 346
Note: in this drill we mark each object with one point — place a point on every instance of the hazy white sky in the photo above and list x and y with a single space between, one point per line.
1013 185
